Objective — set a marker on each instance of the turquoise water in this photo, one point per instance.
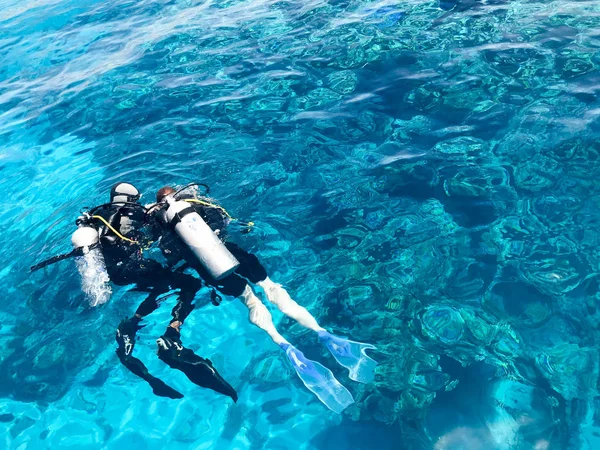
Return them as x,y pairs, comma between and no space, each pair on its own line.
423,176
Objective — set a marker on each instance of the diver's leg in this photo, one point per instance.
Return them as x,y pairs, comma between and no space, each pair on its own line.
277,295
250,267
235,286
125,338
350,354
260,316
152,277
156,285
347,353
171,351
316,377
128,328
159,280
189,287
126,335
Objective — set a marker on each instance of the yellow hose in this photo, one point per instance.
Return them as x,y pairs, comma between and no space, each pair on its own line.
212,205
113,230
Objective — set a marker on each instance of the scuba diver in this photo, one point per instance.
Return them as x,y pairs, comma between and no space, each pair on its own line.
111,239
194,230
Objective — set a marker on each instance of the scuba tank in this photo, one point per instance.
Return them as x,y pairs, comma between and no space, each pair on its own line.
91,265
200,239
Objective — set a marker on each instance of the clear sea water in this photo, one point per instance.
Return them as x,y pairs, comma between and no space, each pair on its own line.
423,176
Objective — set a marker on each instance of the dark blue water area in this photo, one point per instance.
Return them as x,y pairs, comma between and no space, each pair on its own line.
423,176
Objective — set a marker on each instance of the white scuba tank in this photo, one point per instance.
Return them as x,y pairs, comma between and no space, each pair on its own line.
91,266
200,239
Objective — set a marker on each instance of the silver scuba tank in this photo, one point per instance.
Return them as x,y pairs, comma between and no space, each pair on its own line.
200,239
91,266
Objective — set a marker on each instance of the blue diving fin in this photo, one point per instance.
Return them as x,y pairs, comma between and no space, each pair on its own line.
319,380
352,355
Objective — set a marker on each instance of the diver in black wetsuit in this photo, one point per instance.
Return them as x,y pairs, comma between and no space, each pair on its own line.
120,226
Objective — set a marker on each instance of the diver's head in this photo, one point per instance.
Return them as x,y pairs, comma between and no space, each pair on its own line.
163,193
124,192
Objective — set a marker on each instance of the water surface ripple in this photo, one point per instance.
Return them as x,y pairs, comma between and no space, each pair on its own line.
423,176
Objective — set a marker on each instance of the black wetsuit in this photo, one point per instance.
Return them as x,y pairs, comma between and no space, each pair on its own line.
250,268
126,265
